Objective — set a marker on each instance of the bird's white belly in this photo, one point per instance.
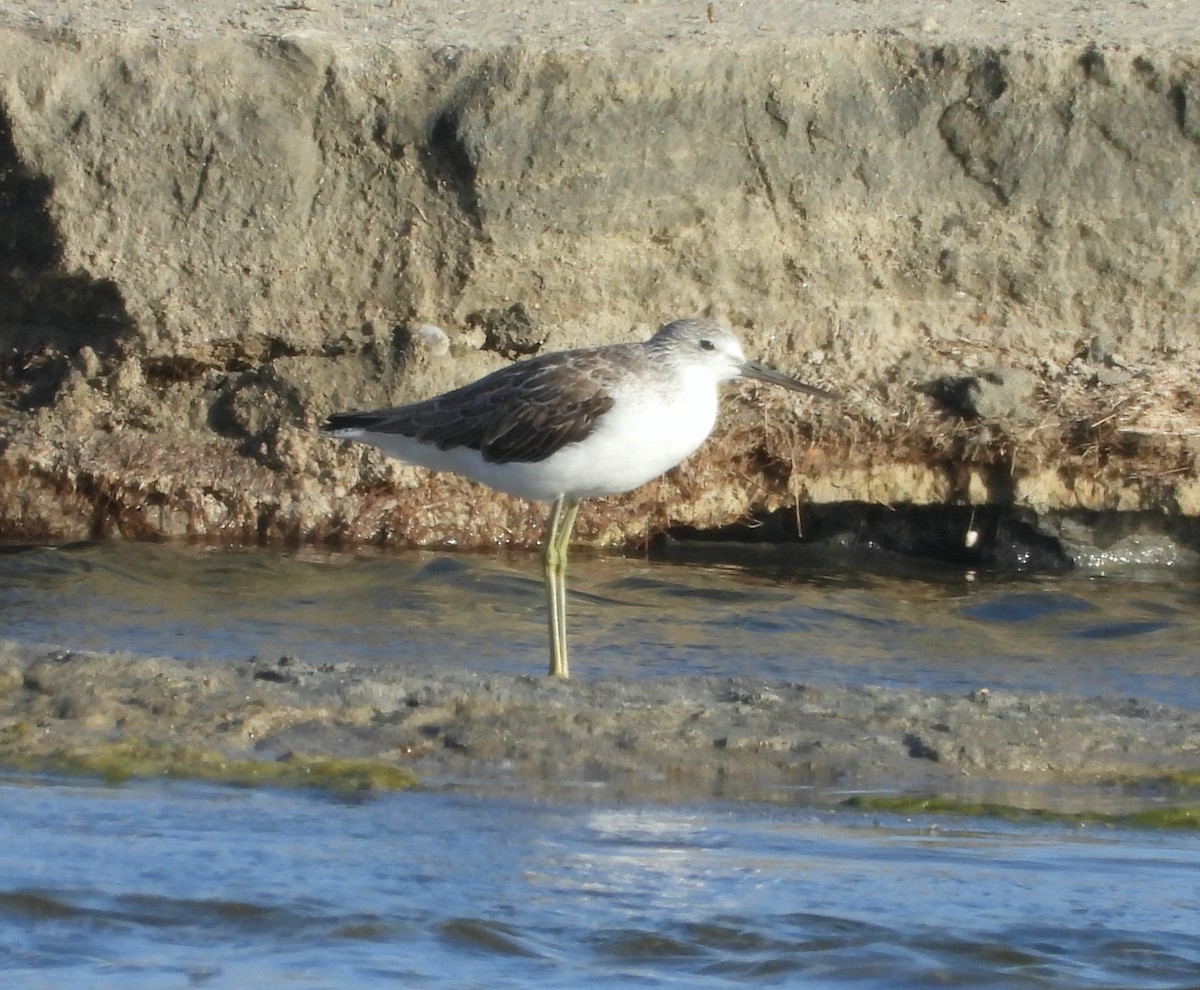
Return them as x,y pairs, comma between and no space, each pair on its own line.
636,440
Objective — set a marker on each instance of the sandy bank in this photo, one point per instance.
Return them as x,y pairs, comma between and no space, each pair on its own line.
976,220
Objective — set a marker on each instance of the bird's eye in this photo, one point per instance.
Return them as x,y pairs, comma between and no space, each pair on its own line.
707,345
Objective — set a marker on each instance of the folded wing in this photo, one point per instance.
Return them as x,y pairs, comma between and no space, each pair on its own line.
524,412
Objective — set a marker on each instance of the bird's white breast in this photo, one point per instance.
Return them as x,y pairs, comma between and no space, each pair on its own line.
646,432
643,435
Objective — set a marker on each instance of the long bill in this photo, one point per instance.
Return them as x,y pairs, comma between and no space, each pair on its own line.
760,372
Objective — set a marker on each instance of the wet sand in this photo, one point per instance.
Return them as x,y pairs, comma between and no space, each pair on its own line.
678,739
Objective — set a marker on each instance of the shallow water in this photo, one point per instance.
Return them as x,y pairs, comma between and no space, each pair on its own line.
627,618
158,884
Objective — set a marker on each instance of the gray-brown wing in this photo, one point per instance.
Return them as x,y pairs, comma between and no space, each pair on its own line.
524,412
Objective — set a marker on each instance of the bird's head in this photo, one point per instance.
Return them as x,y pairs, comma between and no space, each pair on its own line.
710,344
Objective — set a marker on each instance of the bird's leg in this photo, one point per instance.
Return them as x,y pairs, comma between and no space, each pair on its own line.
554,558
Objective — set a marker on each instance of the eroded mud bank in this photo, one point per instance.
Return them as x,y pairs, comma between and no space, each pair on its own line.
221,225
680,739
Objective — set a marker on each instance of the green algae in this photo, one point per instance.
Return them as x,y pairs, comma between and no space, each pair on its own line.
117,762
1181,778
1173,817
1167,817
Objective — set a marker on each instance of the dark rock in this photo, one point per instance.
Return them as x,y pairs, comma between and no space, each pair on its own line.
512,332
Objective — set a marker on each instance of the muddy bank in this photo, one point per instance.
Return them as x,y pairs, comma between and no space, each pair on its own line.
973,219
683,739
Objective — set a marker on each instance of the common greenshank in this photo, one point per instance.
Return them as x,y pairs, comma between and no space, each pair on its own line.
571,425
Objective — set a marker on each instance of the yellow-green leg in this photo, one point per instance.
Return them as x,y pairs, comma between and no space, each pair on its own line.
554,558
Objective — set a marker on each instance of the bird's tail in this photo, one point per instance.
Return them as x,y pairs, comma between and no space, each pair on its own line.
349,424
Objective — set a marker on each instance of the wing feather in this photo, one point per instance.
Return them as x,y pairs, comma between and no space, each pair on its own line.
524,412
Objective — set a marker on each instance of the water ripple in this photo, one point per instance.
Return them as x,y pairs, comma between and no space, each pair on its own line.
154,885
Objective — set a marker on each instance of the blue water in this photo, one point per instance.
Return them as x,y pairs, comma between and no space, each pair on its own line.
162,885
158,884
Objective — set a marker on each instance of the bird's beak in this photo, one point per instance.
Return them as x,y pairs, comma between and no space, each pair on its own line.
760,372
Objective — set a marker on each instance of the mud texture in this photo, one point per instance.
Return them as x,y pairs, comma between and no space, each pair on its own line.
978,221
682,739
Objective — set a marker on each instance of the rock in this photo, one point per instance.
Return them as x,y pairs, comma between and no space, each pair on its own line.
1100,348
513,332
1112,376
431,340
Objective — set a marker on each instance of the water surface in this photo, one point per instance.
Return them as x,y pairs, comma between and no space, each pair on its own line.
159,885
628,618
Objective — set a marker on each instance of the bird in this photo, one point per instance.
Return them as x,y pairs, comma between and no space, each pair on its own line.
570,425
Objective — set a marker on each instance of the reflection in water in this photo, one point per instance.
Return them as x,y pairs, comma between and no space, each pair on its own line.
630,618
